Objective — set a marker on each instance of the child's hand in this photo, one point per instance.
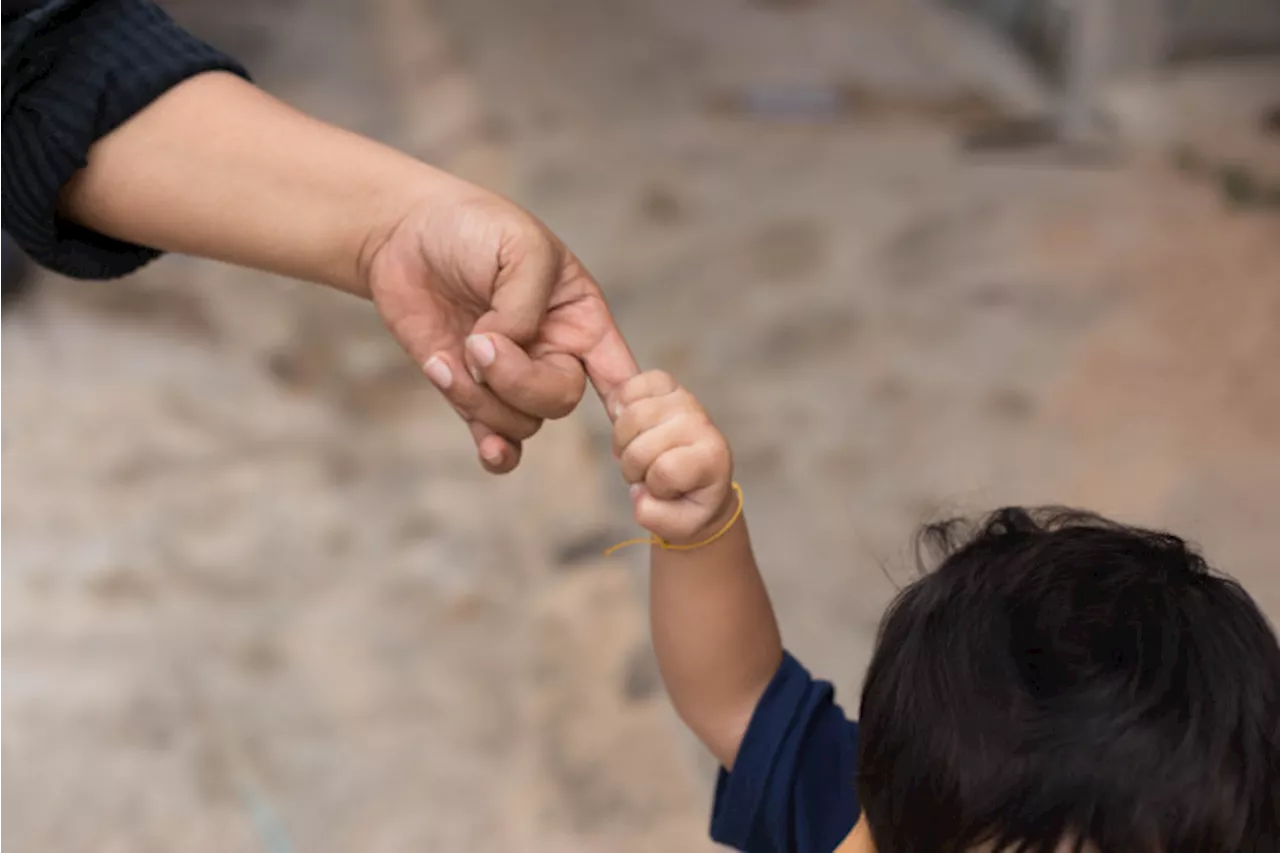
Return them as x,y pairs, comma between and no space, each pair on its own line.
678,463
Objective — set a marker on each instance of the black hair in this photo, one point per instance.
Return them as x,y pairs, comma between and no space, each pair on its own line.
1064,679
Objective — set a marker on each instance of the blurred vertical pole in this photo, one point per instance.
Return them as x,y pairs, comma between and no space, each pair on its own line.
1105,39
1088,61
1140,30
1092,44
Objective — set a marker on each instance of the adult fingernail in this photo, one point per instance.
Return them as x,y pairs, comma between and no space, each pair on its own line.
481,349
492,454
438,372
636,491
617,411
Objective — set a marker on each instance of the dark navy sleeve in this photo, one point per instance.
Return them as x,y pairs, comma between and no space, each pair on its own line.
792,785
74,70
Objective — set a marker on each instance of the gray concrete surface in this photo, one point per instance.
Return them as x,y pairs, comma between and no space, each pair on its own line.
257,596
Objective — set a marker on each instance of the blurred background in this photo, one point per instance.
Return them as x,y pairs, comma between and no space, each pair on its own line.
917,259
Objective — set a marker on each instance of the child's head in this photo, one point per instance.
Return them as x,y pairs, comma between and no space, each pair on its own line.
1062,680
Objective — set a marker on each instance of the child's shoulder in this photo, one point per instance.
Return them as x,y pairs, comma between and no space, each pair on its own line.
794,774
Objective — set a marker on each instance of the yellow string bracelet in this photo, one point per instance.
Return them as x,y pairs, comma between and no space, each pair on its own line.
668,546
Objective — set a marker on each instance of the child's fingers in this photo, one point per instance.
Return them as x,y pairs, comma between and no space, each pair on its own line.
667,518
638,455
652,383
641,416
677,472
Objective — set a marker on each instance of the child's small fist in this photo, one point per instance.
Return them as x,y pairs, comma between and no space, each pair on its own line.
677,462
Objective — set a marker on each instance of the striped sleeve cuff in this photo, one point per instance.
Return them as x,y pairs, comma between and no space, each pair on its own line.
70,85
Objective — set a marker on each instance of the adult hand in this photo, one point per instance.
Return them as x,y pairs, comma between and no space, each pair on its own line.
217,168
504,320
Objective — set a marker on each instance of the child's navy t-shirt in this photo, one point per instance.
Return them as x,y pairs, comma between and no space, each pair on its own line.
792,786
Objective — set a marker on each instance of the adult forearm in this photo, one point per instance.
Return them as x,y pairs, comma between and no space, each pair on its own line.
715,637
220,169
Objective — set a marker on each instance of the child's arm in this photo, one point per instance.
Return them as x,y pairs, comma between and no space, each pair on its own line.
714,631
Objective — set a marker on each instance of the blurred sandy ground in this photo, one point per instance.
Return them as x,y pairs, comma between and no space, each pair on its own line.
257,595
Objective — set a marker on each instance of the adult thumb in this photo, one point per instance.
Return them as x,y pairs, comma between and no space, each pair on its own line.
526,275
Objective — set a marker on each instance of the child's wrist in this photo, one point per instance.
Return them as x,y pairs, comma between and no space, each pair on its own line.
725,515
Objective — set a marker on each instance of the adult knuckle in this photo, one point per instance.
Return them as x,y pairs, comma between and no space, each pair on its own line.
466,399
520,427
567,394
513,392
567,399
